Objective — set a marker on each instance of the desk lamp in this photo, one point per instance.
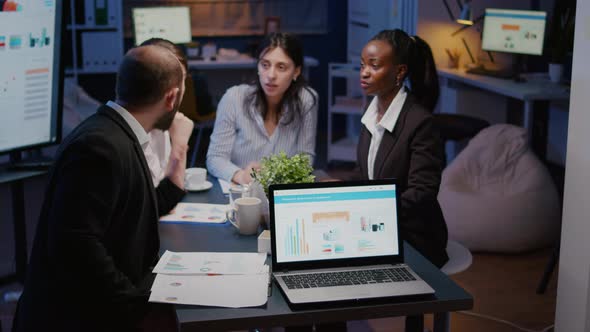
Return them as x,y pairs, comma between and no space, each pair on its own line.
466,16
466,19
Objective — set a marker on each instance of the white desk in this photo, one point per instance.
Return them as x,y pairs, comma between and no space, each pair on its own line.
222,74
535,95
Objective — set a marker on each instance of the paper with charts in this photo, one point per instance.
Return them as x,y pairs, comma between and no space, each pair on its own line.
196,213
231,291
225,185
185,263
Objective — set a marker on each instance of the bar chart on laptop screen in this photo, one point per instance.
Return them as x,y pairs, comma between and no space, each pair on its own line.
295,241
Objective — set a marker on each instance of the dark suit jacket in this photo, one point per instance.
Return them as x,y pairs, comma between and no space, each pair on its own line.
414,154
97,237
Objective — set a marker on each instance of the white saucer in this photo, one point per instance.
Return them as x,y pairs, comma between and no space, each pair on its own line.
203,186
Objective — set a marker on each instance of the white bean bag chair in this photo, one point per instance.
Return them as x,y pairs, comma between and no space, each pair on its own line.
496,196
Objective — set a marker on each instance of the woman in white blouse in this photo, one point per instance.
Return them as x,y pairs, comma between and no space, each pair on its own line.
277,113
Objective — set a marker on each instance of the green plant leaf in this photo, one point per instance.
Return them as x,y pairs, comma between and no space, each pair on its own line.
281,169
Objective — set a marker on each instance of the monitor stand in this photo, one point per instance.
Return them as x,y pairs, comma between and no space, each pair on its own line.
33,160
517,68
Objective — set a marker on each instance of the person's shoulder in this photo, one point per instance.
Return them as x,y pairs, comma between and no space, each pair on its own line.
97,132
308,95
416,110
414,115
241,90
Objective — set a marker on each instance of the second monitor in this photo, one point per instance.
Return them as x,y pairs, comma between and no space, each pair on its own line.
172,23
519,32
513,31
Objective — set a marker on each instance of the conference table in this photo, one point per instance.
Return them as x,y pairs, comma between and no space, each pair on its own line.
224,238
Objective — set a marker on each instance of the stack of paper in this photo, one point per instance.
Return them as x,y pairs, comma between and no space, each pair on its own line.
211,278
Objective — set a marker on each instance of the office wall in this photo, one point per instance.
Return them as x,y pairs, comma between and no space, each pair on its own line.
573,289
436,27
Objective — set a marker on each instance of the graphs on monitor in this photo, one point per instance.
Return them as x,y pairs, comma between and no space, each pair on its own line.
172,23
30,74
514,31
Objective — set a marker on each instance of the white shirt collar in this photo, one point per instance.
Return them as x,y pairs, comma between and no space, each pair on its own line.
389,119
140,133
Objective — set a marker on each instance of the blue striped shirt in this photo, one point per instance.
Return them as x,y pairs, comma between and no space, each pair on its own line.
238,138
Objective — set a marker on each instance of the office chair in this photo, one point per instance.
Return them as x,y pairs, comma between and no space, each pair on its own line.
458,127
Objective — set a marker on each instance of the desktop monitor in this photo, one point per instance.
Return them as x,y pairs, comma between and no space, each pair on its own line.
31,76
513,31
172,23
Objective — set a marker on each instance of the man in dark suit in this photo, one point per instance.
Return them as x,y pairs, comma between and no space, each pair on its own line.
97,238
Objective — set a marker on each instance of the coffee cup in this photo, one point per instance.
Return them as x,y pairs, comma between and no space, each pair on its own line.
195,177
245,215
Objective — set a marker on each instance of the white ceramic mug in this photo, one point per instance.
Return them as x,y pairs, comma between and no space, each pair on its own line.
195,177
245,216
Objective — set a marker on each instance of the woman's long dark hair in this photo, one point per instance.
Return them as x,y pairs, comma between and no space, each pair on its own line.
291,99
416,54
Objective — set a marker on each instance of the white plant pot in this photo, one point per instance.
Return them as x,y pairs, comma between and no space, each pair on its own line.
555,72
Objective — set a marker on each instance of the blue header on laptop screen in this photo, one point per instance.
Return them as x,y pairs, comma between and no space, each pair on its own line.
325,197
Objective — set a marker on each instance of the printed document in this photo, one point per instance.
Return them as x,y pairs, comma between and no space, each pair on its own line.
225,185
222,279
196,213
232,291
183,263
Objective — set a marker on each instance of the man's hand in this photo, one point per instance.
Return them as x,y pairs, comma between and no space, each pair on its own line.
243,176
181,129
180,132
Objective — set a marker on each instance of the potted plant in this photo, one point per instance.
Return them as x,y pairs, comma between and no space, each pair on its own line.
277,169
561,37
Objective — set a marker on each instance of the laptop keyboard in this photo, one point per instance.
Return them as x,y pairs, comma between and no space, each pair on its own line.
348,278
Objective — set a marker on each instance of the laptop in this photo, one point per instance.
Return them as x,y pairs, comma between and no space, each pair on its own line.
339,241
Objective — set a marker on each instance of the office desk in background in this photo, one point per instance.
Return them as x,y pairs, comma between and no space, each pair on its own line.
532,97
222,74
16,180
183,237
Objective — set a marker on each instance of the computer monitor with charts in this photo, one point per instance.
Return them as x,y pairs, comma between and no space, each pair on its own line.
172,23
31,75
513,31
519,32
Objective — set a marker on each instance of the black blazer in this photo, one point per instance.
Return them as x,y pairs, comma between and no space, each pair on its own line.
414,154
97,237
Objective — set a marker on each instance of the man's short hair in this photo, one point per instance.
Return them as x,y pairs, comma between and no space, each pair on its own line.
146,74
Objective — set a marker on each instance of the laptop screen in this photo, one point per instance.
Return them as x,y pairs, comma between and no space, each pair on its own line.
340,221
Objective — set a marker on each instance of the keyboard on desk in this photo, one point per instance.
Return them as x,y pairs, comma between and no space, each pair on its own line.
348,278
490,72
